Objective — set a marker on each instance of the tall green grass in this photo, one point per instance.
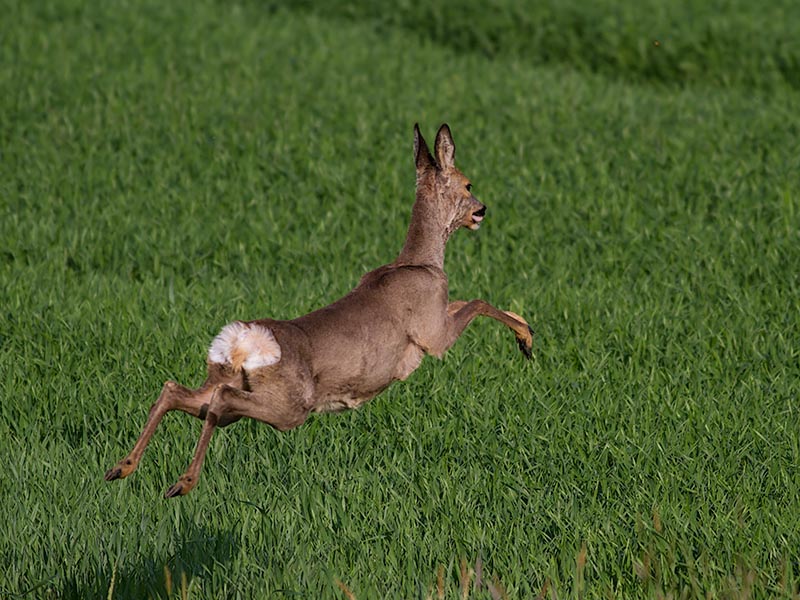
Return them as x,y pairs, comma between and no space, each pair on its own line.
713,42
168,167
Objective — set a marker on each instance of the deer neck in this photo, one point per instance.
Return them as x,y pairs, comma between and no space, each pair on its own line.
427,236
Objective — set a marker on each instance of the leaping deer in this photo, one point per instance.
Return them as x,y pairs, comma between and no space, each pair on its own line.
344,354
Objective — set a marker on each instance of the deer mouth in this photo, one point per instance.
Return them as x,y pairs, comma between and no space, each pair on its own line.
477,217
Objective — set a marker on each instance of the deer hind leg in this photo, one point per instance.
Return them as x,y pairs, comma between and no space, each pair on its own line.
460,313
173,397
275,407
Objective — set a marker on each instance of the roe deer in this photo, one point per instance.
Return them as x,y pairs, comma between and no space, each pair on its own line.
340,356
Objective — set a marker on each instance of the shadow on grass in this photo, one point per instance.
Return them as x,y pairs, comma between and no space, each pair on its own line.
198,551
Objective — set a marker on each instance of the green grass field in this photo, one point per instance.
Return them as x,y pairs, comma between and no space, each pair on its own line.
168,167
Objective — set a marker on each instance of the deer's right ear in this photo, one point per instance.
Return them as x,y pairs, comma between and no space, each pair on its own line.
422,156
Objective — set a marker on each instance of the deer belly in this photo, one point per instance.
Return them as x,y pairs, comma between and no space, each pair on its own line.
343,399
354,392
410,360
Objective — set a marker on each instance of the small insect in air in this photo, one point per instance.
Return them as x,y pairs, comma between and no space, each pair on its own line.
656,43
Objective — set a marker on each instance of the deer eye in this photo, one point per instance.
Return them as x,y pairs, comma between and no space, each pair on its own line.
469,187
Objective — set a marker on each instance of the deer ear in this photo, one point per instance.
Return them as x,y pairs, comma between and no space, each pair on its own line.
444,147
422,156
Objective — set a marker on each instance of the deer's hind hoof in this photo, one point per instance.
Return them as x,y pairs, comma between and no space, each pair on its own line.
112,474
174,490
526,346
183,487
120,470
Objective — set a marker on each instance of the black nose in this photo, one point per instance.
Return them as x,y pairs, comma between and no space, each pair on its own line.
480,212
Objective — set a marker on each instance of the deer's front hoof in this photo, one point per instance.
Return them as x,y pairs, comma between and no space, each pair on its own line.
524,339
526,347
183,487
121,470
526,344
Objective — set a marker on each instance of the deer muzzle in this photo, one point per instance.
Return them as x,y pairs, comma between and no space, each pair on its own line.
477,216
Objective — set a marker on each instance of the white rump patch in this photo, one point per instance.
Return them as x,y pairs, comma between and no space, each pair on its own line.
245,346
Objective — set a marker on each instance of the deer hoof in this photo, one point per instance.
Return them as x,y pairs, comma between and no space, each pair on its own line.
175,490
526,346
120,470
112,474
184,486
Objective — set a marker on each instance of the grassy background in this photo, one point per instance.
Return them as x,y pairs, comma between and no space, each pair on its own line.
168,167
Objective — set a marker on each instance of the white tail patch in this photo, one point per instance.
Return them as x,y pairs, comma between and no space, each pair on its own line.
245,346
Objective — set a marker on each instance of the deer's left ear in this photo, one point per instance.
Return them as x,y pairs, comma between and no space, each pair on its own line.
444,147
422,156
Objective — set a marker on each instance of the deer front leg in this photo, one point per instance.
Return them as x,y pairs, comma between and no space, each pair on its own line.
172,397
460,313
455,306
525,342
230,403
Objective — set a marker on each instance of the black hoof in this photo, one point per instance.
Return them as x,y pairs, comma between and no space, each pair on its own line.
113,474
173,491
526,350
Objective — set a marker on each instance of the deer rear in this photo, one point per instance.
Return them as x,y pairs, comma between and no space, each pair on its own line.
346,353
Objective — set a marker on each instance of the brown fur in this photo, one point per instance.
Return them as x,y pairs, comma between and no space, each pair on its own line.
344,354
238,358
